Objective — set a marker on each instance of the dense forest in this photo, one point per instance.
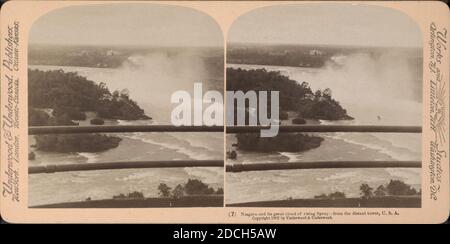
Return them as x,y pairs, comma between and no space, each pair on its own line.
76,143
284,142
69,94
293,96
57,98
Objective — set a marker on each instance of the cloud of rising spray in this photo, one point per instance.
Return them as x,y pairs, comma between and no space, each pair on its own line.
152,78
370,85
387,75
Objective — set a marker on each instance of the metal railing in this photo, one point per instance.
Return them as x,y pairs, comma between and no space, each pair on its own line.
322,165
53,168
75,129
330,128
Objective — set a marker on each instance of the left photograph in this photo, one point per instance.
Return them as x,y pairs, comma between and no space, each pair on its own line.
101,85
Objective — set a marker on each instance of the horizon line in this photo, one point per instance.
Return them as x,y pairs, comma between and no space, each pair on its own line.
121,45
317,44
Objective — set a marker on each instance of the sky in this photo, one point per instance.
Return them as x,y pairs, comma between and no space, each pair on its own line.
127,24
326,24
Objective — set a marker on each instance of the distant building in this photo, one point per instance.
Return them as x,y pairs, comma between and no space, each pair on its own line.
315,52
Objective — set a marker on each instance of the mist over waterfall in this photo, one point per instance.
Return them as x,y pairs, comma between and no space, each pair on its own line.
152,78
380,88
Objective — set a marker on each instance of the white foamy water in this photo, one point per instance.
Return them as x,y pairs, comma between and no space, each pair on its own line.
150,79
378,90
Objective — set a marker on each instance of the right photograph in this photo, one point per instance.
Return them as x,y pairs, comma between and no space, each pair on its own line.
349,83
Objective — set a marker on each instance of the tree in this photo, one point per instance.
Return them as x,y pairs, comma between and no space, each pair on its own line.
103,86
366,190
136,194
398,188
318,94
164,190
219,191
380,191
327,93
125,93
194,186
305,85
178,191
115,95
